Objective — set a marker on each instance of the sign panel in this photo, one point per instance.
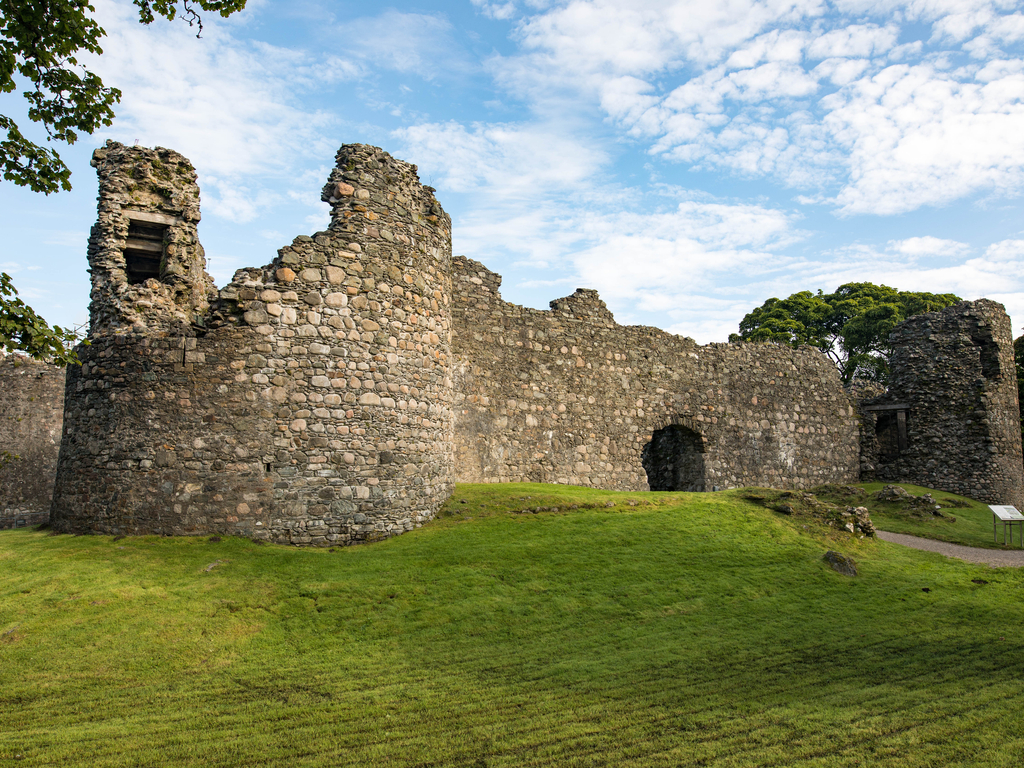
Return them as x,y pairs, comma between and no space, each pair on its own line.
1004,512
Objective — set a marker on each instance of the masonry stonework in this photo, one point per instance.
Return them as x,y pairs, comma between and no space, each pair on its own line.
31,395
337,393
570,396
309,401
953,378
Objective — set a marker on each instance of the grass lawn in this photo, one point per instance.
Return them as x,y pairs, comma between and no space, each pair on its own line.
666,630
972,526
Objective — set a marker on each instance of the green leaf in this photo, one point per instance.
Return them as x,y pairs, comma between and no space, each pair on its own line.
22,330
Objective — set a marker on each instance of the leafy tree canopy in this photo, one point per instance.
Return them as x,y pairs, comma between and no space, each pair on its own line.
40,41
851,325
21,329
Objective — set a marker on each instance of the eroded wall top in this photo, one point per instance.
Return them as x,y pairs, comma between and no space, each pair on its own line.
570,396
309,404
148,268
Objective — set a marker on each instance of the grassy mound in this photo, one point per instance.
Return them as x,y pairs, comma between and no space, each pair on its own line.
679,629
958,520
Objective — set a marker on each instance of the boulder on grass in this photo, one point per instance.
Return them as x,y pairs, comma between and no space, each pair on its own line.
841,563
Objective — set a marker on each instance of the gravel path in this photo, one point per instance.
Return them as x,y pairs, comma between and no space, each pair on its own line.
997,558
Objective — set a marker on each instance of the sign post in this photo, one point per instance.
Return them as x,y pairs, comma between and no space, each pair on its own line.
1008,516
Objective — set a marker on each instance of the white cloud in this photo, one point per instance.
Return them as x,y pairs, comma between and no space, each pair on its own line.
917,137
841,71
779,89
417,43
643,37
928,246
515,160
231,107
854,41
496,10
1000,271
1006,252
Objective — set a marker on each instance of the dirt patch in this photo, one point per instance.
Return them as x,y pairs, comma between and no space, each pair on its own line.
993,557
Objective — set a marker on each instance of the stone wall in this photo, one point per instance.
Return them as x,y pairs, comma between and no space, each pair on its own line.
954,371
569,396
31,394
336,394
147,214
309,401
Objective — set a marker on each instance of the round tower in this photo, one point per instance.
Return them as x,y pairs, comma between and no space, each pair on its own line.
308,402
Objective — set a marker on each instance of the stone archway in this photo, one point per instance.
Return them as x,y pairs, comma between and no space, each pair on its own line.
674,459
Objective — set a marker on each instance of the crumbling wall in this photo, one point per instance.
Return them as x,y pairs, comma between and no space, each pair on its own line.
31,396
569,396
952,376
147,213
335,394
307,402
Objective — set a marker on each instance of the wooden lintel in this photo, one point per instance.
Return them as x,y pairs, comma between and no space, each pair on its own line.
152,218
144,245
896,407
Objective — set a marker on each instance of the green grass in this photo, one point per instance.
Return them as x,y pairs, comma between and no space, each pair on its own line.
688,629
970,525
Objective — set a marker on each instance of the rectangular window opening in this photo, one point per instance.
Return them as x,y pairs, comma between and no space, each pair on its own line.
144,250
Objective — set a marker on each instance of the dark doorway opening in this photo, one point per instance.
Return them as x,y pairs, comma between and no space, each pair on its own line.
891,433
674,460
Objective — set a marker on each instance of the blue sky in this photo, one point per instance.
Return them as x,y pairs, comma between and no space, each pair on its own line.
687,159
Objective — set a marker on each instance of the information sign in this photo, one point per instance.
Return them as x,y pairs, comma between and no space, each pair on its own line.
1008,516
1004,512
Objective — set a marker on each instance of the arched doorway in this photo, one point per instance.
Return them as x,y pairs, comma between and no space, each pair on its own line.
674,460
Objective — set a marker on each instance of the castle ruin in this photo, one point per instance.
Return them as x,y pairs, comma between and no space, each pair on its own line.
338,393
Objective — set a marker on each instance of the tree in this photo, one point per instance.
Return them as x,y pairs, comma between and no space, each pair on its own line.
21,329
40,41
851,326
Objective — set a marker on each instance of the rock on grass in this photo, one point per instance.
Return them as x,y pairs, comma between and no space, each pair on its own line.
841,563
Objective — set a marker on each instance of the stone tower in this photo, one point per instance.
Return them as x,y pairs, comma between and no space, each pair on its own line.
950,418
309,401
147,266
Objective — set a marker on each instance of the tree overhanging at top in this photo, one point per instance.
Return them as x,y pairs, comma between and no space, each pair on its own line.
851,326
40,41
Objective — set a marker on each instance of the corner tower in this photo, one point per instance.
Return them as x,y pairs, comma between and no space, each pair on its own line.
307,402
950,417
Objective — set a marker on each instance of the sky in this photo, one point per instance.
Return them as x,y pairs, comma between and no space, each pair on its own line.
687,158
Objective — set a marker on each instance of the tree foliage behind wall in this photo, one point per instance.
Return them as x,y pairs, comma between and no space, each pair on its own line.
851,325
